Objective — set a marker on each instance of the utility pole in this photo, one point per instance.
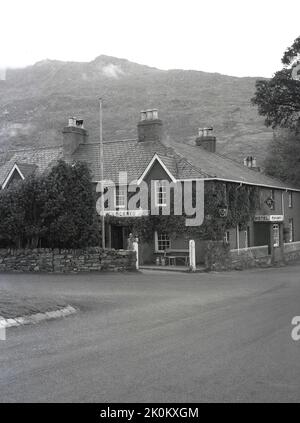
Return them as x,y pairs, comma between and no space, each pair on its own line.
101,175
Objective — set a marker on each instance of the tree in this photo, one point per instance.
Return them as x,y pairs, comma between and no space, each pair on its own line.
278,100
69,210
55,210
12,217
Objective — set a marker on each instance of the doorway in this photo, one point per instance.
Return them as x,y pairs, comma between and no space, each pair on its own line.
262,235
118,236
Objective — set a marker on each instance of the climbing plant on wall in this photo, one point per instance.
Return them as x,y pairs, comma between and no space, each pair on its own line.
239,201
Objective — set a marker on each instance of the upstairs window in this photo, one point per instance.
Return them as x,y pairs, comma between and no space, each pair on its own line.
272,196
121,192
290,199
161,193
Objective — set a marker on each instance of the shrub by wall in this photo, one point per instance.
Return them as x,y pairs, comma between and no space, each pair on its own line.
62,261
217,256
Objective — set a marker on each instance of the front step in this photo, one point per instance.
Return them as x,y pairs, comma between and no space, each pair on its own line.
178,269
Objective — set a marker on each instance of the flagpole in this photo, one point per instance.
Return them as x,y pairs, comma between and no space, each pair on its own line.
101,175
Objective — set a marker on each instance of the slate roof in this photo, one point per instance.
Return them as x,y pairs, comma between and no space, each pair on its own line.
133,156
184,161
28,160
221,167
27,169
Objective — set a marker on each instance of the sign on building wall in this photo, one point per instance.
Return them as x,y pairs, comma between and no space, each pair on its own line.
268,218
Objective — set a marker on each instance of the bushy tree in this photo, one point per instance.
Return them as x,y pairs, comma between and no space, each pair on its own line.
11,218
278,100
69,211
55,210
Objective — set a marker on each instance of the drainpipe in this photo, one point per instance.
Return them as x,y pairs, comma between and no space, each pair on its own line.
238,238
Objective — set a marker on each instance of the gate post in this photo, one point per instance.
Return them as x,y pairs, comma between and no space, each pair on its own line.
192,255
135,246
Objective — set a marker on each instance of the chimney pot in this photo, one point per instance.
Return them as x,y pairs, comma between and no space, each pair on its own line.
149,114
143,115
72,121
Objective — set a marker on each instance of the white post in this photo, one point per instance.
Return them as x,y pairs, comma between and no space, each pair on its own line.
135,246
238,238
192,255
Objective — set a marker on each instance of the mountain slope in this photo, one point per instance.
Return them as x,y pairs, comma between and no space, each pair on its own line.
36,101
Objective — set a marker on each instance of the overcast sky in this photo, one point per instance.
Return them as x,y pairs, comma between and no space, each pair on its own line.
234,37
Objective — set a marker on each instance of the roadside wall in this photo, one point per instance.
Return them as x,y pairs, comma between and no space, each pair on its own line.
291,251
250,257
65,261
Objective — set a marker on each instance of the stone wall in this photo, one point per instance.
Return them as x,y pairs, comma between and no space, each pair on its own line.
292,251
245,258
61,261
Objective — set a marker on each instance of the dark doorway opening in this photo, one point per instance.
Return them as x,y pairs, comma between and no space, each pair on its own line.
119,236
262,234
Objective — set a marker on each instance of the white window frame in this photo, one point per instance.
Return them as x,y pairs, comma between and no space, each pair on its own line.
227,237
272,195
157,240
120,194
276,240
291,230
290,199
160,184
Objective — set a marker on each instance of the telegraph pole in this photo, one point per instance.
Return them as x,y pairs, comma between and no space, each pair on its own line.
101,174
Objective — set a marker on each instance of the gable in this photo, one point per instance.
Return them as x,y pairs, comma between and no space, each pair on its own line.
14,175
157,169
157,172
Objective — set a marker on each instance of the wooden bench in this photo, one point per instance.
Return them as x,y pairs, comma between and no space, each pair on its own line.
172,254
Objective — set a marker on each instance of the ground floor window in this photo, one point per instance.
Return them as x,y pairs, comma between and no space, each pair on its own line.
162,242
291,230
276,235
227,237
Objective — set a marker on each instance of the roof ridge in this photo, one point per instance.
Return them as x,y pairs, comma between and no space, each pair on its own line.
31,149
108,141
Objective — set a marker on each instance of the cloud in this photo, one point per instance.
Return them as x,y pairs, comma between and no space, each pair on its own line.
112,71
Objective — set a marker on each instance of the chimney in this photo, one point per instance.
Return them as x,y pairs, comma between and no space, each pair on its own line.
149,126
250,162
73,135
206,140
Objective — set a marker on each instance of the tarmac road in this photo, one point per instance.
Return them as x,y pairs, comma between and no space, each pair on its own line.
157,337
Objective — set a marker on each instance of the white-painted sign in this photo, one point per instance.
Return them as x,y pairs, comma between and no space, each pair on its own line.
268,218
126,213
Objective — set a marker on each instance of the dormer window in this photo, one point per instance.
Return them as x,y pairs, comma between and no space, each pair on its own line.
161,193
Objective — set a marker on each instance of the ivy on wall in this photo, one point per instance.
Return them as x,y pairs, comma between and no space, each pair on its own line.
240,202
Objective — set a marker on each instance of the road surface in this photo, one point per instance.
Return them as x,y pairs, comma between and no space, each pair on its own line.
159,337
